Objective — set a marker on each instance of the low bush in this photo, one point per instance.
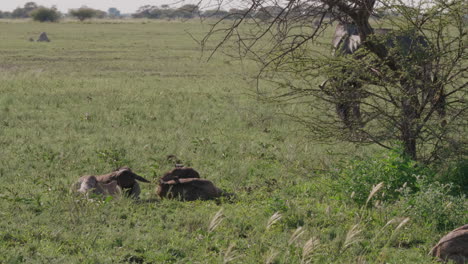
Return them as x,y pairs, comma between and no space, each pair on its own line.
393,168
457,174
434,205
44,14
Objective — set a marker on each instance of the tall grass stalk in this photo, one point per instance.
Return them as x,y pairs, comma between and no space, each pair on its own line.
352,237
297,233
374,190
230,254
216,220
308,250
273,220
272,254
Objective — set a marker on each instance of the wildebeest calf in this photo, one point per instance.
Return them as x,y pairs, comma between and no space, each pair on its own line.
126,179
89,184
123,177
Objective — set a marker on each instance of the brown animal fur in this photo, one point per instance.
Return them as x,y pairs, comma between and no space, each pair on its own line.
123,177
188,189
180,173
126,179
89,184
453,246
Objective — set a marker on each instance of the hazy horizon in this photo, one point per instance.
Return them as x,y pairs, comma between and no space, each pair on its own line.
125,6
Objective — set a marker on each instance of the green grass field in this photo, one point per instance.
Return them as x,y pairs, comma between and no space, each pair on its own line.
107,94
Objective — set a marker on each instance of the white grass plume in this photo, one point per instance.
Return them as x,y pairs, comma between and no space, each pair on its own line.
352,236
271,256
216,220
299,232
402,223
273,219
374,190
308,250
230,254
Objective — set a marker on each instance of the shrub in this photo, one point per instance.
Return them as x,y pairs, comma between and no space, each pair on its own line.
84,13
395,169
456,173
44,14
434,206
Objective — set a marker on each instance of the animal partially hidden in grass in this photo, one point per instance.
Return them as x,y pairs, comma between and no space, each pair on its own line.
453,246
180,172
90,184
184,183
123,177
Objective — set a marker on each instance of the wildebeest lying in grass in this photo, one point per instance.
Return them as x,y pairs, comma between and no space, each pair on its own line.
89,184
453,246
124,177
184,183
188,189
180,173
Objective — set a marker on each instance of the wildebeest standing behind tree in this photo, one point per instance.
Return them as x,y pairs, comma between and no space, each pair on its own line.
348,93
388,95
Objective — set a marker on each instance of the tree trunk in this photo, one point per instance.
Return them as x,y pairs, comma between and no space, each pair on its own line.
409,141
410,116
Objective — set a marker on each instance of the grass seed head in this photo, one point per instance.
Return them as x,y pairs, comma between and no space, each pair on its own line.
352,236
308,250
299,232
273,219
216,220
230,254
374,190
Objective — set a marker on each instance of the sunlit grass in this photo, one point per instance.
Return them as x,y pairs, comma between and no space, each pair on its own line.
103,94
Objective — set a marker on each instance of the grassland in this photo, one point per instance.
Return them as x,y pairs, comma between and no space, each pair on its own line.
103,95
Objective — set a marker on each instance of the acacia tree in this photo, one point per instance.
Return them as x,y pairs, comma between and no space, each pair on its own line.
43,14
25,11
412,94
83,13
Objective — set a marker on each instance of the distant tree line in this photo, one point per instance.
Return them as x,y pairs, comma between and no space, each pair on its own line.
192,11
40,13
44,14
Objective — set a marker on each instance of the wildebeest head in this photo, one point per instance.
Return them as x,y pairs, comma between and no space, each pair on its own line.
125,177
346,40
88,183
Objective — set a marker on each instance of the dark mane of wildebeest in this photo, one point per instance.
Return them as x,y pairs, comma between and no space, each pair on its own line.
180,173
346,41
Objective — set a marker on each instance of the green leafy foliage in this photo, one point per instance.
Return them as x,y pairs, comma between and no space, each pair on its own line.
434,204
85,13
44,14
393,168
455,173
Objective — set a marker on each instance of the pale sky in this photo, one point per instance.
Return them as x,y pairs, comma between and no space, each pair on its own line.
125,6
